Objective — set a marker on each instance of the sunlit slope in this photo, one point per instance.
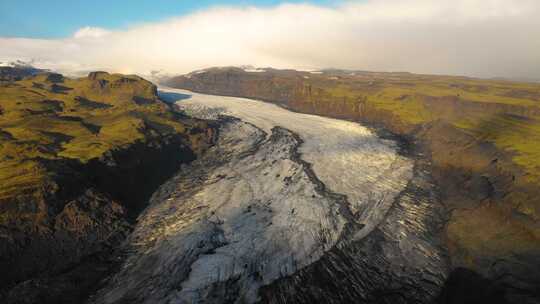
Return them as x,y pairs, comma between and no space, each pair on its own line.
48,116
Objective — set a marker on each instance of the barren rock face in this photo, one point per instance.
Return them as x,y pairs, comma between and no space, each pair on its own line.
278,193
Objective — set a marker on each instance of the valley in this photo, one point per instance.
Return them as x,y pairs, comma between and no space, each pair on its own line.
116,191
479,137
268,203
270,152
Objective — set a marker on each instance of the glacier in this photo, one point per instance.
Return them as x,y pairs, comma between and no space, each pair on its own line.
279,193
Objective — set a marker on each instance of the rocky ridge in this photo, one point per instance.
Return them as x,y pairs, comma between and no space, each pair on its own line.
79,160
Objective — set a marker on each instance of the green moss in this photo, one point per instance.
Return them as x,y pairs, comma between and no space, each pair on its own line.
74,118
489,230
18,176
402,103
414,100
512,133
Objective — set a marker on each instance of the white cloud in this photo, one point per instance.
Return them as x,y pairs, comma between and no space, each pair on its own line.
473,37
90,32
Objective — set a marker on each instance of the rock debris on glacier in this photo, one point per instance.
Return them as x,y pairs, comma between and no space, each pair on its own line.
347,157
277,192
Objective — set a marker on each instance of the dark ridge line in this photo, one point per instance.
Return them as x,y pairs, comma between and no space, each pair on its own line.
433,227
320,187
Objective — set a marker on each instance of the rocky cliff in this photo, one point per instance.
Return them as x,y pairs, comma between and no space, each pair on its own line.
482,138
79,158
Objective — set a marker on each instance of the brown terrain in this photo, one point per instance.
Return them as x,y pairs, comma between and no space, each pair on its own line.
482,138
79,158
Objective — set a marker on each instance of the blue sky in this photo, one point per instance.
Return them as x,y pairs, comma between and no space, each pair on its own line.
483,38
61,18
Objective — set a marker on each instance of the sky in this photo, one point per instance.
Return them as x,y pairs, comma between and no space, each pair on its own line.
482,38
61,18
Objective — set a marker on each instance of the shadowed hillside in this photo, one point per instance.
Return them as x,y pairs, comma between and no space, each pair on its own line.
78,160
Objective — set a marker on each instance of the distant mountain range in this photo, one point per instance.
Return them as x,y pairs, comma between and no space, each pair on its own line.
17,70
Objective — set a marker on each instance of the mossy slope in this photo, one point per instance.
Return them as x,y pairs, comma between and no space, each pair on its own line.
51,117
78,158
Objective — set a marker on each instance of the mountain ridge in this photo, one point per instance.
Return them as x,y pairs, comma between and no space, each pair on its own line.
78,160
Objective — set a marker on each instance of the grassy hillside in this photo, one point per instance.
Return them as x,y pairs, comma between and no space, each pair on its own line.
78,159
51,117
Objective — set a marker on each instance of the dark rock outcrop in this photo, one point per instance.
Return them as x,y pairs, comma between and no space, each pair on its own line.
18,72
86,211
62,217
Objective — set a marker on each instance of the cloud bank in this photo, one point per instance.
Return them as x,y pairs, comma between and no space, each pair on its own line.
485,38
